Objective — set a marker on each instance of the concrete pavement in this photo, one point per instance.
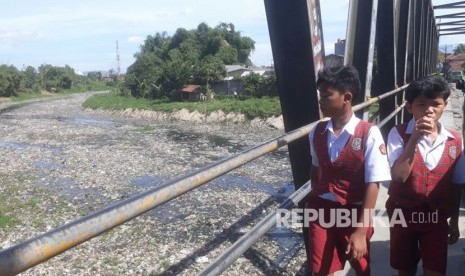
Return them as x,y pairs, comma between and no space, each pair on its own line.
452,119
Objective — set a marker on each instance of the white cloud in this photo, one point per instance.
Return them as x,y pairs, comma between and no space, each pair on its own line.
16,35
262,56
135,39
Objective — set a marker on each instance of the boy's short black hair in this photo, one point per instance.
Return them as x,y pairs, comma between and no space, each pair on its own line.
341,78
429,87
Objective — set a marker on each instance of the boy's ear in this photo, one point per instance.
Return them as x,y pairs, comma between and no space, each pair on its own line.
408,106
348,96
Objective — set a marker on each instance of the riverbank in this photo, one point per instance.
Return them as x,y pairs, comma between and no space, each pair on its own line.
196,117
227,110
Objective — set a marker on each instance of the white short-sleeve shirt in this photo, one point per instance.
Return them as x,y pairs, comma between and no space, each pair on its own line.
376,164
431,153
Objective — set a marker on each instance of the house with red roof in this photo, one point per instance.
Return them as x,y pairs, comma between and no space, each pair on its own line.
455,61
191,93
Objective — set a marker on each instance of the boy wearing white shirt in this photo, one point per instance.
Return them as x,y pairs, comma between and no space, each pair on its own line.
348,163
423,155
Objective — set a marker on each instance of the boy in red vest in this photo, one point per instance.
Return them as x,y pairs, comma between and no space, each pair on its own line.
348,162
423,155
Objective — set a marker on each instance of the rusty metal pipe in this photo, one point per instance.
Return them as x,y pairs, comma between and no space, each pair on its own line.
393,113
228,257
378,98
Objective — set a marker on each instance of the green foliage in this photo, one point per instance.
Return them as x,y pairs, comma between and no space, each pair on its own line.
459,49
7,211
55,79
198,56
143,76
24,96
251,84
95,76
228,55
29,82
6,221
210,69
10,81
258,86
30,78
251,107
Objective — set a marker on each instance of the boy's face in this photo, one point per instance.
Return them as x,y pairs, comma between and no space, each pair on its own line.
332,101
424,107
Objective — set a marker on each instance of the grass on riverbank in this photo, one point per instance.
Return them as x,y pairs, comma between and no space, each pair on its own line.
31,94
251,108
24,96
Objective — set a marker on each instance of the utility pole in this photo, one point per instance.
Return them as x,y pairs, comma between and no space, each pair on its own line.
117,59
445,53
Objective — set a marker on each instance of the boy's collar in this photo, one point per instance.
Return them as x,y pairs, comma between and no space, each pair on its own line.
349,126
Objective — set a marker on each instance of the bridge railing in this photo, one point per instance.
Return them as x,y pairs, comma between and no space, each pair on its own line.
29,253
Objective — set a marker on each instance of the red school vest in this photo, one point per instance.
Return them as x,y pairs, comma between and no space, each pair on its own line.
345,177
424,186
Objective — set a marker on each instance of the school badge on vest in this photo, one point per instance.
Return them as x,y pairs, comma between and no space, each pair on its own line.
382,149
357,143
453,152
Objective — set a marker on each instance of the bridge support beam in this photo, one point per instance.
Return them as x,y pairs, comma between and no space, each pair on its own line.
297,53
401,37
385,78
298,50
360,44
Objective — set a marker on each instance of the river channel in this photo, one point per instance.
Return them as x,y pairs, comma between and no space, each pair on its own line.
60,162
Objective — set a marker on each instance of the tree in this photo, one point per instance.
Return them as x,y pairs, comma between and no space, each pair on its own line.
251,84
269,86
97,75
228,55
165,63
243,45
30,77
176,71
259,86
10,80
208,70
142,78
459,49
54,79
156,44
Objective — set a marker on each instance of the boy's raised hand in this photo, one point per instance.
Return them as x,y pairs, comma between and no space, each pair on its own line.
424,126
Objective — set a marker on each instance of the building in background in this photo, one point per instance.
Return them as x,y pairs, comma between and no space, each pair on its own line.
336,59
456,61
232,83
340,47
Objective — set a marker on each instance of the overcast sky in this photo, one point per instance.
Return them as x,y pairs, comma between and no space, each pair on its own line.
83,34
